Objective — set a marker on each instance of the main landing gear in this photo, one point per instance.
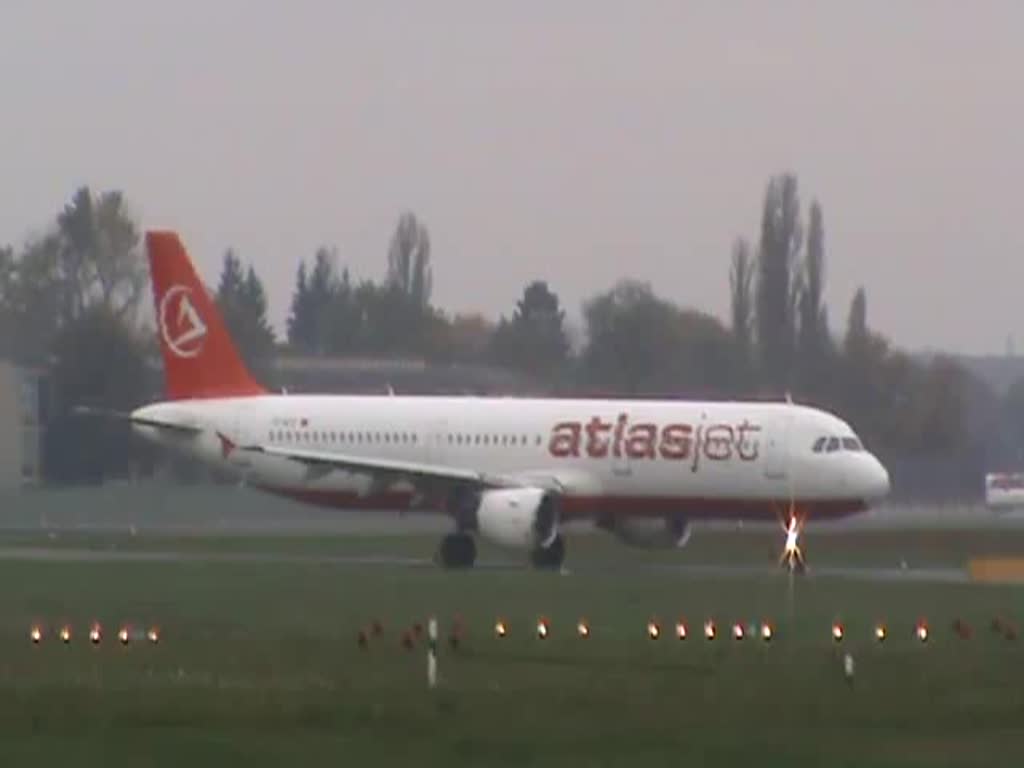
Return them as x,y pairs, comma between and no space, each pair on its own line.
792,557
550,557
457,550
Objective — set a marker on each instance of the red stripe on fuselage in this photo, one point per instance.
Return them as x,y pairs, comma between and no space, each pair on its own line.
581,507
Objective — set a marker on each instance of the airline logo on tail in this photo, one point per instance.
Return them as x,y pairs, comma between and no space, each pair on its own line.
183,329
200,359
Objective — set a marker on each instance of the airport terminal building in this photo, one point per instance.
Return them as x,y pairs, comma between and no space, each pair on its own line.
21,426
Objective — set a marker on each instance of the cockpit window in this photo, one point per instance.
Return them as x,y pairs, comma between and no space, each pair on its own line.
851,444
833,444
819,444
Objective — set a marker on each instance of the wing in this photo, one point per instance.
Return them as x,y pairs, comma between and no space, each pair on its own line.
321,462
392,469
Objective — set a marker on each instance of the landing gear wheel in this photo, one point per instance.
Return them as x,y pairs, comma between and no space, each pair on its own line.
457,550
551,557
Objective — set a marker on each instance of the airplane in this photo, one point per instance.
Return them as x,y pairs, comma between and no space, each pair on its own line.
1004,491
510,470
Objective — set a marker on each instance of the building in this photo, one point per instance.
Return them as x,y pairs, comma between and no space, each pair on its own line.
21,426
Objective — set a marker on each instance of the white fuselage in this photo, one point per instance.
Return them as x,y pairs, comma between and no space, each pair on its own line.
702,459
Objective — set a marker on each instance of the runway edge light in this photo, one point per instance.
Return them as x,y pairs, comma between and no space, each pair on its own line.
681,631
709,630
921,630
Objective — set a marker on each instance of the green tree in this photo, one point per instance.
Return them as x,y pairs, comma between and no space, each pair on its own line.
301,334
858,337
409,270
639,344
98,257
777,284
814,339
311,317
465,338
243,304
741,285
8,302
534,340
99,361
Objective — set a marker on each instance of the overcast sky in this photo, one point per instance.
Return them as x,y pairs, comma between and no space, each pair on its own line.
577,141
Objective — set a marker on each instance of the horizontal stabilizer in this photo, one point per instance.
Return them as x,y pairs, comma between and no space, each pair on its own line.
107,413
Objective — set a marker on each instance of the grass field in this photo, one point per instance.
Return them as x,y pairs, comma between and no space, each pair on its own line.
259,665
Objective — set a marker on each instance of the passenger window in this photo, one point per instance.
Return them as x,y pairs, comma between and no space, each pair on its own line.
833,444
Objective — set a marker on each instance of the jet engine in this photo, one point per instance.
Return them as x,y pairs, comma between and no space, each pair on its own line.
649,532
518,518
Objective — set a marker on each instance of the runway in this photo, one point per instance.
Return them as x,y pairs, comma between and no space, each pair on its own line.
682,570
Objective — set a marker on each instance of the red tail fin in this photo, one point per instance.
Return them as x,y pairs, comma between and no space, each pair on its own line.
200,359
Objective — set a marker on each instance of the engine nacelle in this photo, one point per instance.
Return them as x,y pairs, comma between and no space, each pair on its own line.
649,532
518,518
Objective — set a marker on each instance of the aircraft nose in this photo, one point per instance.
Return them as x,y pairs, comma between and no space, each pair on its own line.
876,481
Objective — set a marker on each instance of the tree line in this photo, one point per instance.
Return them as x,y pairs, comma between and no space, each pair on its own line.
71,304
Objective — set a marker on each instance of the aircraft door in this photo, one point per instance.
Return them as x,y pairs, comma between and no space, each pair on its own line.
621,466
776,446
434,442
242,434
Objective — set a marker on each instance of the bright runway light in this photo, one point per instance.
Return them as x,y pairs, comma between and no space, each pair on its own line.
65,634
582,628
921,631
681,630
709,630
500,628
543,629
153,635
95,634
880,633
767,632
653,630
36,634
837,632
737,631
124,635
